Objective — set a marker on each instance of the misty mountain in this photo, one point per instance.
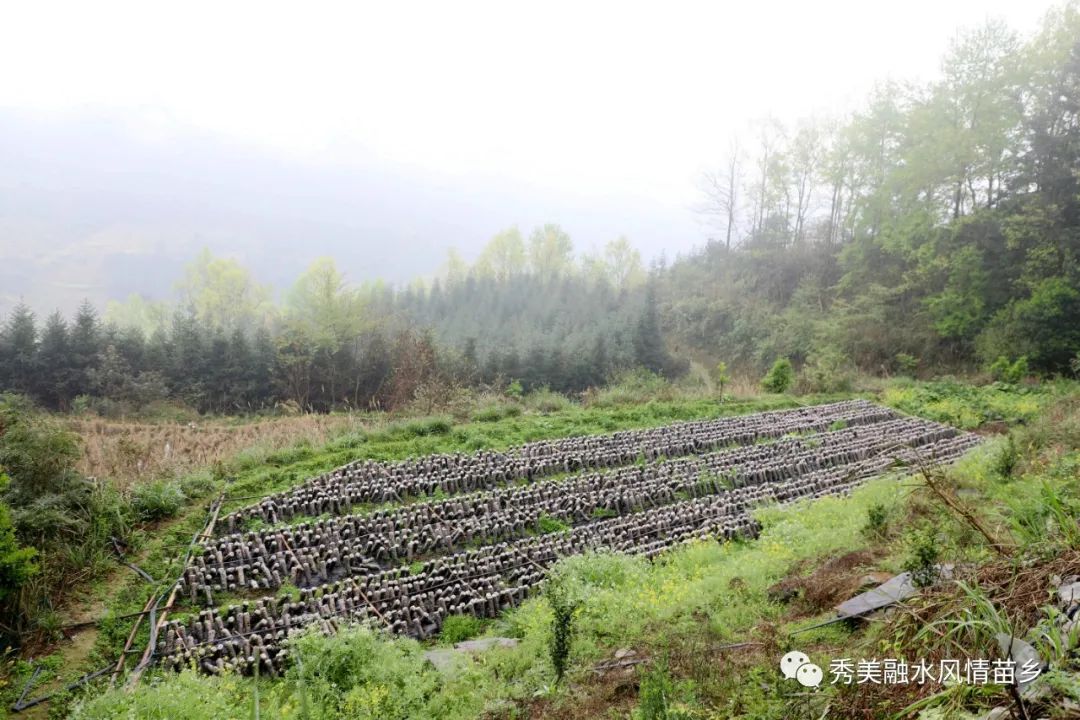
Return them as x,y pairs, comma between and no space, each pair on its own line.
96,206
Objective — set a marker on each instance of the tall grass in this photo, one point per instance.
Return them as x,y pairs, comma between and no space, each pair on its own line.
129,452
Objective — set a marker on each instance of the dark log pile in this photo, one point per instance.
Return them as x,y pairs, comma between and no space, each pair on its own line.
407,568
373,482
315,553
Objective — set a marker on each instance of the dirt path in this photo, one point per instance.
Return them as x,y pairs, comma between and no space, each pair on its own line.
74,651
78,645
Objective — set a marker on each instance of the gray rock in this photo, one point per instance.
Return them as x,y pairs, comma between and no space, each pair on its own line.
888,593
892,591
444,659
1069,595
485,644
1021,653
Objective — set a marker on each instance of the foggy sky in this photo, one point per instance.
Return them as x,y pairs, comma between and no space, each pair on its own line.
133,134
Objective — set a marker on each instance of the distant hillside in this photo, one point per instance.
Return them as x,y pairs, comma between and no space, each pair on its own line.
94,207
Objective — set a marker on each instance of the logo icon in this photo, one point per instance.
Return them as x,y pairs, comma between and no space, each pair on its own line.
809,675
797,666
789,664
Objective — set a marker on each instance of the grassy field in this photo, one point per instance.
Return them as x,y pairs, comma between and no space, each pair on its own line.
680,614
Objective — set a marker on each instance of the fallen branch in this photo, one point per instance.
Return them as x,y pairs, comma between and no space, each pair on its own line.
932,478
20,706
158,621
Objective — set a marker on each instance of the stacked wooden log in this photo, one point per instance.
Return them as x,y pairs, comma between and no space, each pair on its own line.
407,567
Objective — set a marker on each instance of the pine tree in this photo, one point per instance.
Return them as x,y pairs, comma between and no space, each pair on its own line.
598,363
649,350
186,362
262,368
19,339
54,379
238,371
85,343
218,396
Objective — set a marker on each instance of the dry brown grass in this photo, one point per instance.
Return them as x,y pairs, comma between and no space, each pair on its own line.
831,582
129,452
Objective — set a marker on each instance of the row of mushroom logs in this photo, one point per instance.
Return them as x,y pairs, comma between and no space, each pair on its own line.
315,553
372,482
483,582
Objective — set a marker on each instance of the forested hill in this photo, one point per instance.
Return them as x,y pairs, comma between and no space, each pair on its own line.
526,313
935,230
939,226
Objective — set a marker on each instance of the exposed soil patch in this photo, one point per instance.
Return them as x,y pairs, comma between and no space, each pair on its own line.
828,584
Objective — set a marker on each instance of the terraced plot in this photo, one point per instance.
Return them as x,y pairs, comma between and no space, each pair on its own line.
406,545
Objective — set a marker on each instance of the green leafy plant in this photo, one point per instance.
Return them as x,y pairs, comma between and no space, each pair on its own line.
564,601
906,364
17,564
827,371
1009,372
658,695
922,558
780,377
877,521
456,628
515,389
1007,458
721,377
157,500
550,524
655,693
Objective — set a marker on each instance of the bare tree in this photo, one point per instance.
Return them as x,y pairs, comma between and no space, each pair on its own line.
721,191
767,137
805,158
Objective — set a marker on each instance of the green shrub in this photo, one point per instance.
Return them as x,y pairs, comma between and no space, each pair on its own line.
456,628
188,695
491,413
197,485
36,452
655,693
969,406
720,378
1041,327
562,634
494,412
564,598
546,401
359,674
633,387
1004,371
600,570
1007,458
877,521
827,371
427,426
1062,511
16,563
549,524
67,518
658,696
779,378
157,500
906,364
922,558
